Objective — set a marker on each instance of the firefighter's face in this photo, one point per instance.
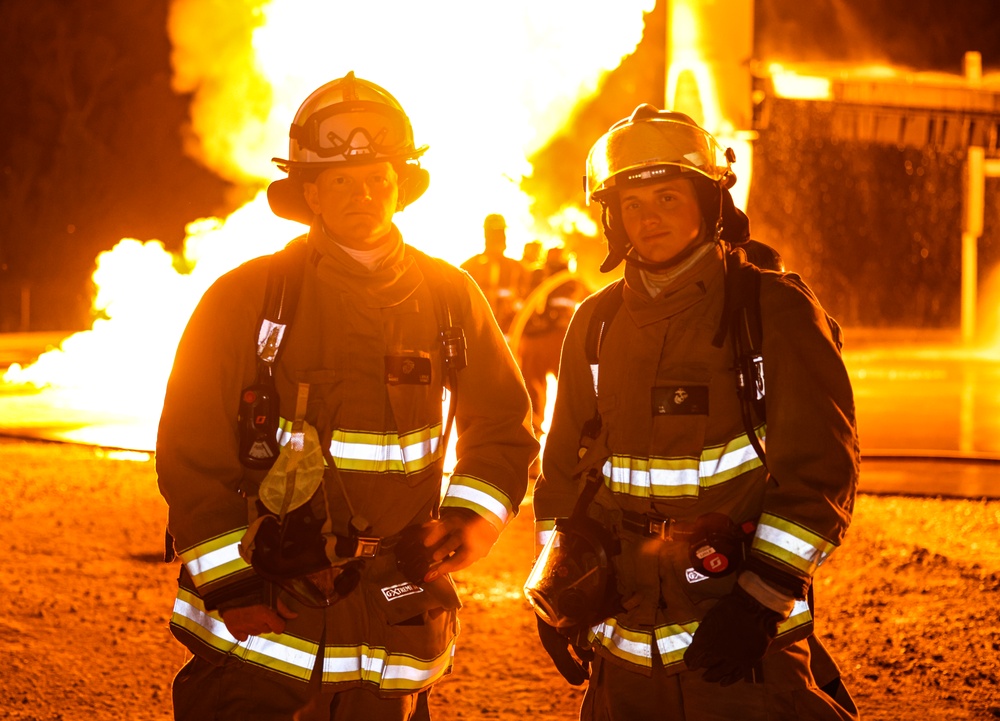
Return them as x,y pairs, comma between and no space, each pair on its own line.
356,203
661,220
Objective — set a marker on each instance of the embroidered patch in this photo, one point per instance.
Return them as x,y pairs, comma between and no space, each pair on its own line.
407,370
400,590
688,400
693,576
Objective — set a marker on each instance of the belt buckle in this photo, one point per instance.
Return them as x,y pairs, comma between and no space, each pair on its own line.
662,528
366,547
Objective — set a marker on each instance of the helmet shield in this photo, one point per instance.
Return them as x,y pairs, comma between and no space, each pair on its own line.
641,150
569,583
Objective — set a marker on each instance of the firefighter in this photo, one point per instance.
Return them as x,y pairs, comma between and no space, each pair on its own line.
315,577
542,337
682,562
499,277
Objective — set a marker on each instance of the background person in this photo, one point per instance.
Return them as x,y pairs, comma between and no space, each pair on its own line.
499,277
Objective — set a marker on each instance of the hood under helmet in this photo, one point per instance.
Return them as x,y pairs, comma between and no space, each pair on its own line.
648,147
346,122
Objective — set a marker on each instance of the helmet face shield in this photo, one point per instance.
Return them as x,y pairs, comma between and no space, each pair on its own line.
569,583
638,151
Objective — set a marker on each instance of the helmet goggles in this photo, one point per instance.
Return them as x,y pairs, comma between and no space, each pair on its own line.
355,132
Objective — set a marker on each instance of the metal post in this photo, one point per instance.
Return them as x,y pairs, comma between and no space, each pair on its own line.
974,192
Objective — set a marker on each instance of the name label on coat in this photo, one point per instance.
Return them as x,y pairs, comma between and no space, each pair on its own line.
686,400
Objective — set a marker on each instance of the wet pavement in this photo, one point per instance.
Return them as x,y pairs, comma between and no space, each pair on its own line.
928,414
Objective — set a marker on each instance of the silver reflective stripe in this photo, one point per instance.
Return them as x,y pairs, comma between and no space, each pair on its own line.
253,644
630,648
674,643
649,479
213,559
727,462
796,546
479,498
594,371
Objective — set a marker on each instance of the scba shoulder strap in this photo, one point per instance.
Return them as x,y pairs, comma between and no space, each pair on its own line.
741,319
259,403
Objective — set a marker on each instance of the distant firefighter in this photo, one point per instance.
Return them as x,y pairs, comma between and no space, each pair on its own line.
498,276
542,337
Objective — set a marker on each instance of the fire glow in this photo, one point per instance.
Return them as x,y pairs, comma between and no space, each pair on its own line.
485,88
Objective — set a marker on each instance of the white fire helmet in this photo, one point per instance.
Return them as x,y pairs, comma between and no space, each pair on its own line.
651,145
346,122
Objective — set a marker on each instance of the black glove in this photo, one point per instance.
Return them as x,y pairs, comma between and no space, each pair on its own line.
732,638
575,669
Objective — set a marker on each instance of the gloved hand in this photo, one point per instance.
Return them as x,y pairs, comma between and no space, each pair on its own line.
575,669
732,638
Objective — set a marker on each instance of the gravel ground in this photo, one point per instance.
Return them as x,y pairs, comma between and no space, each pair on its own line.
909,605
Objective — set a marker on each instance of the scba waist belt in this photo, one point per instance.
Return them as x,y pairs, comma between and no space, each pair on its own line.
657,526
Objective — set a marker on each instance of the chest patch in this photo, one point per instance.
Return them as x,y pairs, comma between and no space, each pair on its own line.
686,400
400,590
407,370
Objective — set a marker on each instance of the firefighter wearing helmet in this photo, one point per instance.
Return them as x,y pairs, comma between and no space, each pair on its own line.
685,507
499,277
302,442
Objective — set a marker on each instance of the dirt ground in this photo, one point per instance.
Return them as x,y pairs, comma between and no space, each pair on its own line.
909,605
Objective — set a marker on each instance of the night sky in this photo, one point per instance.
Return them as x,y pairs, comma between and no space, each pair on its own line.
92,148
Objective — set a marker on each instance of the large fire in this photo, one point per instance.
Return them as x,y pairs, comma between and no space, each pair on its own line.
485,88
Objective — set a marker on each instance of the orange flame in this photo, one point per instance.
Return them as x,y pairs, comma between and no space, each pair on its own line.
483,98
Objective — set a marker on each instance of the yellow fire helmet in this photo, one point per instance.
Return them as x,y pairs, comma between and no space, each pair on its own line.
296,474
346,122
494,221
650,145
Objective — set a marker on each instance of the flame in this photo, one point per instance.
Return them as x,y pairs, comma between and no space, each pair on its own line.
484,97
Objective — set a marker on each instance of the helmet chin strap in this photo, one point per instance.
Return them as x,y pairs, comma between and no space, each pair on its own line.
633,258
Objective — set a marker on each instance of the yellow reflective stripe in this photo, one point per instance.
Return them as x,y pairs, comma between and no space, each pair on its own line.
790,543
477,495
390,672
673,640
216,558
632,646
380,452
681,477
799,616
724,463
656,477
282,653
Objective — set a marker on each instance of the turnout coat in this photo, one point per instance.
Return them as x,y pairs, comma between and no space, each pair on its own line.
352,327
673,445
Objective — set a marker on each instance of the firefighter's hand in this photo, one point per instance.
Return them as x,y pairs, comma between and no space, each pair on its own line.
732,638
460,538
574,668
247,621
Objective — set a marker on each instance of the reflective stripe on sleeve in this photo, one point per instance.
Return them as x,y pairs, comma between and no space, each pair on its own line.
799,616
543,531
477,495
791,544
215,558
